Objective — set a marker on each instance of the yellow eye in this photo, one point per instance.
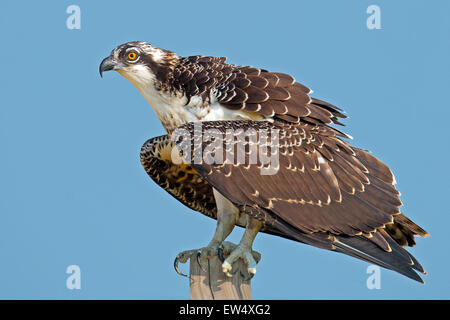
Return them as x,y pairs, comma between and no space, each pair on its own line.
132,56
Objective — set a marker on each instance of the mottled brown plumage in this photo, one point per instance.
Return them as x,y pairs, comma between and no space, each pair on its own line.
325,192
352,195
181,181
271,94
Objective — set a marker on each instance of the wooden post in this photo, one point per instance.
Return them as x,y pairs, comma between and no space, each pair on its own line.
214,284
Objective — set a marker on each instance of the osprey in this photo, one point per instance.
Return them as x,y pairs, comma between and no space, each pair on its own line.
323,191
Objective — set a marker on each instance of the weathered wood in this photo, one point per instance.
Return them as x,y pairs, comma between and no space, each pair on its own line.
214,284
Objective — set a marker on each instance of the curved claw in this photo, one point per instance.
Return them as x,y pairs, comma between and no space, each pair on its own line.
226,268
231,274
220,254
198,261
175,265
250,277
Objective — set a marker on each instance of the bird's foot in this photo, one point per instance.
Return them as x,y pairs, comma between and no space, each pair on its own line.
249,256
207,252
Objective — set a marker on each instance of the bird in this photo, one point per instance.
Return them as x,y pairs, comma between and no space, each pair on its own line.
315,188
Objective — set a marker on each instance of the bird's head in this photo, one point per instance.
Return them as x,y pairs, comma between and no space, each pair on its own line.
140,63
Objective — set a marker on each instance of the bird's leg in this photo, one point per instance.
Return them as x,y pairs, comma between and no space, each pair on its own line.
244,249
225,224
227,216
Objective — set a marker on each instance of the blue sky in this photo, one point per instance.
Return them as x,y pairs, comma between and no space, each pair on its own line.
72,191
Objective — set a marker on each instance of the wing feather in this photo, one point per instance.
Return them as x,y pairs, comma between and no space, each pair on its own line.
239,87
342,192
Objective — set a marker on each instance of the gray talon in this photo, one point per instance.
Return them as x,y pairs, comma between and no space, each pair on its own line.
250,277
175,265
245,253
220,254
198,261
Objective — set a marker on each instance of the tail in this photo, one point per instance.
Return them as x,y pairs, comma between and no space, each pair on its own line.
397,259
384,247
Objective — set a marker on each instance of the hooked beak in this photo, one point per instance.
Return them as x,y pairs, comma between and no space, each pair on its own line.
109,63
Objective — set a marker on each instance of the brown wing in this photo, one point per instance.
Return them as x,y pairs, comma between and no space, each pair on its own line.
276,95
272,94
323,188
181,181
